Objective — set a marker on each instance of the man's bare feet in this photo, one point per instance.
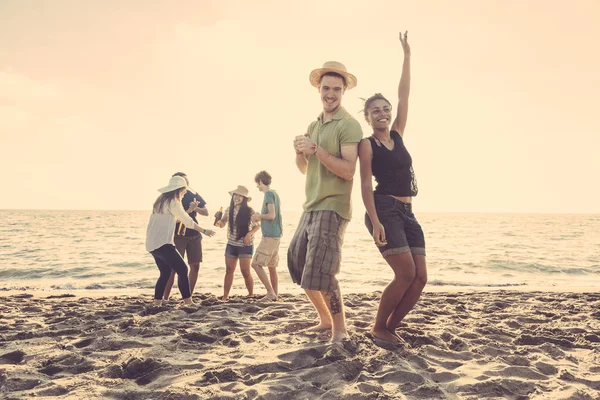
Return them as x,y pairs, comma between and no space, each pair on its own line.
319,328
386,335
223,298
339,336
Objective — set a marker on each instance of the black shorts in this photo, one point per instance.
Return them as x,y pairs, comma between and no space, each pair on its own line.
402,230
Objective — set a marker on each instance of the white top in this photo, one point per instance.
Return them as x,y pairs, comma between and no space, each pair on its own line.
161,227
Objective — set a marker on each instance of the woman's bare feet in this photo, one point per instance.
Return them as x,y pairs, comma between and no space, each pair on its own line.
384,334
271,296
157,303
187,301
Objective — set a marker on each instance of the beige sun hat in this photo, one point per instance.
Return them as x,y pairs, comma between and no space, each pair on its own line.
332,66
241,190
176,182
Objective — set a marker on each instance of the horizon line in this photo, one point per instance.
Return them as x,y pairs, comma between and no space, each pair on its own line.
300,210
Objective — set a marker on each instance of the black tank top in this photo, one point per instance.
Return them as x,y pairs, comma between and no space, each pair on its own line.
393,169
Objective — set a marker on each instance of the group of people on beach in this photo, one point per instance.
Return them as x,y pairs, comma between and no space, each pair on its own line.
186,239
327,154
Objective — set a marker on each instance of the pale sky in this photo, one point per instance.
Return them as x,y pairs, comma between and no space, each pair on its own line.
100,102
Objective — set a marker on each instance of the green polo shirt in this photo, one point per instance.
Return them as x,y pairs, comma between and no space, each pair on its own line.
324,189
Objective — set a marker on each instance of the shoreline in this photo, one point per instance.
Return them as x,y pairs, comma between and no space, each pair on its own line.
95,293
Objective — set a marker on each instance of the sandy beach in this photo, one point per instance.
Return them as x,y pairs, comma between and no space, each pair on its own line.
500,344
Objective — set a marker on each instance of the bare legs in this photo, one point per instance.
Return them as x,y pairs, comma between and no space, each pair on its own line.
270,286
230,265
330,307
193,277
248,280
401,295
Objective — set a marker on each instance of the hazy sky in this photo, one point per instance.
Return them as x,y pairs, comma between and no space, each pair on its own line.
100,102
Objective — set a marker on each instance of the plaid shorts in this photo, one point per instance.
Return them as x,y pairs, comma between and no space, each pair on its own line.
315,252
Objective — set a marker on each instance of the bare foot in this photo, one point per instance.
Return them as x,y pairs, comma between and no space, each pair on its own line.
319,328
157,303
271,296
223,298
339,336
386,335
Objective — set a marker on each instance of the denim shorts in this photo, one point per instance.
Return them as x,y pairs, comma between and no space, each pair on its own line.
402,230
239,251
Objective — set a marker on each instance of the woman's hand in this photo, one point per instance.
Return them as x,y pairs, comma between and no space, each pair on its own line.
405,45
379,234
209,232
247,239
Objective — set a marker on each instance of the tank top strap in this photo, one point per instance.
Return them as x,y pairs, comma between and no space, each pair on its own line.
374,145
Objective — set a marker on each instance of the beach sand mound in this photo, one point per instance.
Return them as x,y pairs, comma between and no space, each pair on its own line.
514,345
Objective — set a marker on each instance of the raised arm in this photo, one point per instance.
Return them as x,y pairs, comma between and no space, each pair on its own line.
403,89
365,155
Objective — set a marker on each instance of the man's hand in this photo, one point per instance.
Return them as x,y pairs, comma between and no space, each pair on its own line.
193,206
304,144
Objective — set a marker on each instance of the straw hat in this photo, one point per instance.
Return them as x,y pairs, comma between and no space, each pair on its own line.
176,182
332,66
241,190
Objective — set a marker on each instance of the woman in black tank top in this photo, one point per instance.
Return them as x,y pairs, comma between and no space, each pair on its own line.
389,216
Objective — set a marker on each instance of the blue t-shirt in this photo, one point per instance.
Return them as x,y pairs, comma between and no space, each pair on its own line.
188,197
272,228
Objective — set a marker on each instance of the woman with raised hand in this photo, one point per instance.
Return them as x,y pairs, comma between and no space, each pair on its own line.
389,217
159,238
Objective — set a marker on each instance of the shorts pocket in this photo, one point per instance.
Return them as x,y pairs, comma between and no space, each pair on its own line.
261,259
330,257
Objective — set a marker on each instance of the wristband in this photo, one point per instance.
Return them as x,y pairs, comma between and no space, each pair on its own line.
203,230
316,149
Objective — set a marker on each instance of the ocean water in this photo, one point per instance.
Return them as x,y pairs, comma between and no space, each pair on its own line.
104,250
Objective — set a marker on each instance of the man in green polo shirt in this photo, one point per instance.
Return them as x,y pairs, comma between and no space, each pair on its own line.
327,155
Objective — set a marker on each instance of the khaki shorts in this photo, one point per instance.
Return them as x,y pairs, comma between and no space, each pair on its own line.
192,245
315,252
267,253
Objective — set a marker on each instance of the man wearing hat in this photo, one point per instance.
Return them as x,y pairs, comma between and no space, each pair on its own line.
327,155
